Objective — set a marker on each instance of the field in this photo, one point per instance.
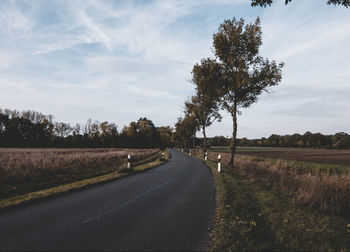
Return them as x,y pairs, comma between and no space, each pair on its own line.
253,216
268,203
324,156
25,170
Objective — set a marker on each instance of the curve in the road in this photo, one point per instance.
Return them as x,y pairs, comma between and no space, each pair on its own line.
170,207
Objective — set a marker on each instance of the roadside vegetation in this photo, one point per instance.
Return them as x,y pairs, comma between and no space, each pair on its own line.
320,186
328,157
255,215
26,170
275,198
139,163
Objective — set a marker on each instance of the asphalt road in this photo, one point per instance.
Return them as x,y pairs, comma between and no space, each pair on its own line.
170,207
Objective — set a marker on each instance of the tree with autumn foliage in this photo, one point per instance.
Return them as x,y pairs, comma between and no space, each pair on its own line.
203,106
244,73
185,128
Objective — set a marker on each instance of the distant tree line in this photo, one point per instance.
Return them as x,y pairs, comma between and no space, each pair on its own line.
339,140
34,129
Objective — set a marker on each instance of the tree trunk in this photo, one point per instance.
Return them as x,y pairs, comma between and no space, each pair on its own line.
234,137
204,142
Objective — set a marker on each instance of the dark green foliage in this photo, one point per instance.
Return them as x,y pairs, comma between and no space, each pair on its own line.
33,129
340,140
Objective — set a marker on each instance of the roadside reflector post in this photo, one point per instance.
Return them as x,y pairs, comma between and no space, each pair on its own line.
128,165
206,156
219,163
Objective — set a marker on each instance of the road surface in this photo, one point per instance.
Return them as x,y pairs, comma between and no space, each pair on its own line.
170,207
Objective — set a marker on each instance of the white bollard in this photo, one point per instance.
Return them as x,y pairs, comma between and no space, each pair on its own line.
129,162
206,156
219,163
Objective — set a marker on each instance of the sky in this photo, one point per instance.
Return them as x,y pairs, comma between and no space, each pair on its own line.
118,61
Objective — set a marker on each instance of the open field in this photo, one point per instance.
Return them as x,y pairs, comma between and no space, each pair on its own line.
336,157
254,216
322,186
263,204
25,170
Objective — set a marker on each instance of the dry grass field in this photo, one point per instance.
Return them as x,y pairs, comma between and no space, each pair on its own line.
321,185
268,203
324,156
23,170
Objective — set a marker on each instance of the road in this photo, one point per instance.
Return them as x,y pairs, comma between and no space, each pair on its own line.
169,207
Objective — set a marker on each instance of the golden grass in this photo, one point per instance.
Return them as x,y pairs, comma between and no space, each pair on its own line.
328,192
45,193
24,170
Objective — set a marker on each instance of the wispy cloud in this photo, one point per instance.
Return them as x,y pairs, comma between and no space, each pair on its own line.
118,60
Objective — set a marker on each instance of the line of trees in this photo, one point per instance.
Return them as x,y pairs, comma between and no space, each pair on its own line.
231,81
339,140
34,129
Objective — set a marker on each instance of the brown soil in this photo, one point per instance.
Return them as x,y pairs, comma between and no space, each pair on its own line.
338,157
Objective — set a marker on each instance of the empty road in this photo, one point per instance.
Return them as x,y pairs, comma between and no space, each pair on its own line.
170,207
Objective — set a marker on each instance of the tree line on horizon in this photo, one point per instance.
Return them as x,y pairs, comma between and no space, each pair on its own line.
34,129
340,140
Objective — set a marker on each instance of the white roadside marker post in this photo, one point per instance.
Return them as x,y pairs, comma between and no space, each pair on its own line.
219,163
206,156
128,165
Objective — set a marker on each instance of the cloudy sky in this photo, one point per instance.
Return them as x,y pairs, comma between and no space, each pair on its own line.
121,60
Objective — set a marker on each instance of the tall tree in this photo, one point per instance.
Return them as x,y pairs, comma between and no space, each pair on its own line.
264,3
204,104
245,74
185,128
166,134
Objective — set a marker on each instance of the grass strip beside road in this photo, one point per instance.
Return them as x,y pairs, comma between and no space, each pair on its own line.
141,166
251,216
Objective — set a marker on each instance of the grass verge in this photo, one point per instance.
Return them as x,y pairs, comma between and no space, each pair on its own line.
251,216
140,166
301,167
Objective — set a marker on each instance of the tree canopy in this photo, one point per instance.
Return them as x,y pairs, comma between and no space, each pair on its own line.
203,106
185,128
245,74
